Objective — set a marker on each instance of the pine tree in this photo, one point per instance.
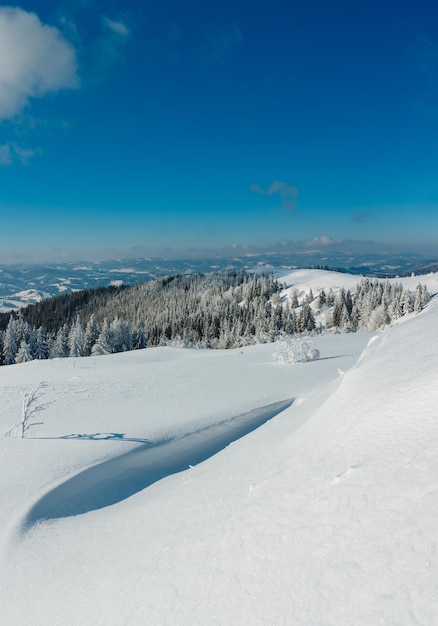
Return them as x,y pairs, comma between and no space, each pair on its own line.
306,319
337,312
103,344
422,297
41,349
92,333
345,321
24,353
407,302
76,339
396,310
10,343
294,299
139,338
121,336
322,298
348,300
59,348
425,295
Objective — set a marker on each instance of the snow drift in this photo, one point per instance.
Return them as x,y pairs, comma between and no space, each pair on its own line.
119,478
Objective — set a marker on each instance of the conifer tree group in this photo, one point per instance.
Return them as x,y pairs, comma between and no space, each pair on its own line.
228,309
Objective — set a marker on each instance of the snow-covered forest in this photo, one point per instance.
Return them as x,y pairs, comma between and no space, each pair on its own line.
227,309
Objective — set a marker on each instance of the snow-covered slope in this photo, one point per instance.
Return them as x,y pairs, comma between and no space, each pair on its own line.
326,514
304,279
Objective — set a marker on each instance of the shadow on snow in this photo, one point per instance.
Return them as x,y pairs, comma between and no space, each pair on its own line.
100,437
117,479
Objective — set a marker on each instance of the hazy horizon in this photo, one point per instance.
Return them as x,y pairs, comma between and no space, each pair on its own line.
321,246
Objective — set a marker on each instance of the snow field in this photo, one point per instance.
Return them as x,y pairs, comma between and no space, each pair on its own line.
326,514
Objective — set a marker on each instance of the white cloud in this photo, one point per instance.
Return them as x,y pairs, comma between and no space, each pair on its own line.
324,240
35,59
24,154
288,193
5,154
10,152
116,27
362,216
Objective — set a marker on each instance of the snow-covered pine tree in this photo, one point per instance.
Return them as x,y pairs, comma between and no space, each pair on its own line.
76,339
139,337
10,343
407,302
395,307
121,336
294,299
103,344
24,353
309,297
59,348
92,333
41,349
421,299
306,319
322,298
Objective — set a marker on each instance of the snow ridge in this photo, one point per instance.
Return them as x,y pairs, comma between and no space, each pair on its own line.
115,480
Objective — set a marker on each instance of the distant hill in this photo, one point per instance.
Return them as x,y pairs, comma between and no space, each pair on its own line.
21,285
431,268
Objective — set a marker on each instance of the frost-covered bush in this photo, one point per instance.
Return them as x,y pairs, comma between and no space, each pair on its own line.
292,350
178,342
307,351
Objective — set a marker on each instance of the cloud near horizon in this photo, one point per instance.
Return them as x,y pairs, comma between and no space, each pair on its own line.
104,251
361,216
35,59
288,193
324,240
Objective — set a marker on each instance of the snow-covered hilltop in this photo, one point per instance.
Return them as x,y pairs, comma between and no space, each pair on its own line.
121,507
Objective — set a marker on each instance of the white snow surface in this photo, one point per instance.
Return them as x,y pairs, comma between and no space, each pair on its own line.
122,506
303,280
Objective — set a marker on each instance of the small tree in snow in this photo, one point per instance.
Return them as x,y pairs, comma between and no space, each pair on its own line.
292,350
29,407
379,318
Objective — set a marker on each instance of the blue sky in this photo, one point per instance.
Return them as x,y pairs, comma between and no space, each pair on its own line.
183,127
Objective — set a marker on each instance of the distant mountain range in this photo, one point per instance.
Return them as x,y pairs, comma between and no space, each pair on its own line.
21,285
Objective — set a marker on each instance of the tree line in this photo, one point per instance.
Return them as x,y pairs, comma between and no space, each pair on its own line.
228,309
